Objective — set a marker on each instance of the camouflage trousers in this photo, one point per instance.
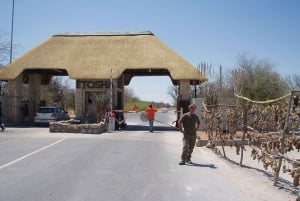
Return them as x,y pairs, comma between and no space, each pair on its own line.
188,147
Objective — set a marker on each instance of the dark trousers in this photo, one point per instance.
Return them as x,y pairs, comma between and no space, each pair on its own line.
188,147
151,124
1,124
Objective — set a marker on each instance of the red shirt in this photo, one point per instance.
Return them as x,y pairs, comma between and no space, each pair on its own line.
150,113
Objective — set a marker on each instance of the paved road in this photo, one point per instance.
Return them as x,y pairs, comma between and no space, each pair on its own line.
127,165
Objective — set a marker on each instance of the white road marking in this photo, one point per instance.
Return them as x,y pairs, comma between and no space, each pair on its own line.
188,188
30,154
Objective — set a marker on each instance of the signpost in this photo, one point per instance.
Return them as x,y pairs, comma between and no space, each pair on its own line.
111,117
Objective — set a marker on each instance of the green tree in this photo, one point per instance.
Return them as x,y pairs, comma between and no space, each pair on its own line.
293,81
4,57
210,93
129,95
4,50
60,92
256,80
173,92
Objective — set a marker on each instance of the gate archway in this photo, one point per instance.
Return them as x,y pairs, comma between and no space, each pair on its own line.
94,60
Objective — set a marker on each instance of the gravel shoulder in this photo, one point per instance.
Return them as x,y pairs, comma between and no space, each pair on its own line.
252,178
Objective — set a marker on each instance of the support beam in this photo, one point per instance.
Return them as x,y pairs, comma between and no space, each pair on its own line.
79,103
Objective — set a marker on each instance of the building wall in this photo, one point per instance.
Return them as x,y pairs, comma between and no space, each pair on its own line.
92,99
14,100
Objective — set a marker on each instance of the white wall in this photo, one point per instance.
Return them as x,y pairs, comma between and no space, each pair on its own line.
200,111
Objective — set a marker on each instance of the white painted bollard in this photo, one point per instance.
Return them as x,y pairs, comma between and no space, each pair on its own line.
111,124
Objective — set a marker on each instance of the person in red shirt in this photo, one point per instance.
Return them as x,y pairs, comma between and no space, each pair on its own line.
150,115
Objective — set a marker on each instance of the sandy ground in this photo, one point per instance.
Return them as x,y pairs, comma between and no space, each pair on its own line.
252,176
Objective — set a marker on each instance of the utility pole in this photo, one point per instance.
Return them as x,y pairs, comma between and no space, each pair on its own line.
12,31
220,77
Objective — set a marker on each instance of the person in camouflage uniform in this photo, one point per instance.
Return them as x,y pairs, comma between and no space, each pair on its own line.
188,124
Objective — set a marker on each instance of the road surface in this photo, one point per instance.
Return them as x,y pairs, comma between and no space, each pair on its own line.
127,165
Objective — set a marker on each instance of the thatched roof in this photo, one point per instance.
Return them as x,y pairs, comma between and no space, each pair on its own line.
95,55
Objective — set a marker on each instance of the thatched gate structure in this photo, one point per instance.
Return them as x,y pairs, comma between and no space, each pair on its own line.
93,59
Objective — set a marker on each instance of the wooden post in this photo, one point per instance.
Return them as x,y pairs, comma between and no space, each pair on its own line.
284,134
245,128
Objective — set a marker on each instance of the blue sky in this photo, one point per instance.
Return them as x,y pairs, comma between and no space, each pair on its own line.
212,31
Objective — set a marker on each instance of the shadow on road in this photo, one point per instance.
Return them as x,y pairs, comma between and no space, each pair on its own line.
202,165
146,128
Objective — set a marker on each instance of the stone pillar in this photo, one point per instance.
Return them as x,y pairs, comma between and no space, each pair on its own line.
115,94
120,93
14,100
184,90
184,97
35,94
79,103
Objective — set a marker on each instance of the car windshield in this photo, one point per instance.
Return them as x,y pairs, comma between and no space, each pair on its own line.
59,110
46,110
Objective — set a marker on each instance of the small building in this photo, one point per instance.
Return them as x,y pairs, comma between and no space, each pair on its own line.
94,60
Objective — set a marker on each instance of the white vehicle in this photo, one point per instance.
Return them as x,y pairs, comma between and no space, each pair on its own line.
48,114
